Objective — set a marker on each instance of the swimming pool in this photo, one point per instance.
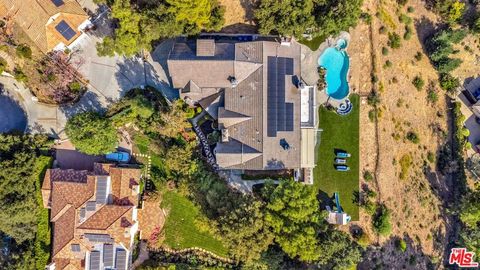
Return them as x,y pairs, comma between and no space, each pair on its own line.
336,62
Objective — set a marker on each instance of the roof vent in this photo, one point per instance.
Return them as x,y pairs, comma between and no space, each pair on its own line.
225,135
233,81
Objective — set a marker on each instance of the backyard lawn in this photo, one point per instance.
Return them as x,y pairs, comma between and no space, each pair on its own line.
180,228
339,132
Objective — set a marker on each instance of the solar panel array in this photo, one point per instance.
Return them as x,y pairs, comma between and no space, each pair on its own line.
65,30
108,255
121,259
91,206
101,193
57,3
279,113
95,260
102,238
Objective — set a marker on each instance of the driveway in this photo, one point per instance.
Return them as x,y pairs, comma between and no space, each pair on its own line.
109,79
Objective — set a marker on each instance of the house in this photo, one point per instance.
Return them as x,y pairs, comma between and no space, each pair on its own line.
50,24
265,113
93,215
470,108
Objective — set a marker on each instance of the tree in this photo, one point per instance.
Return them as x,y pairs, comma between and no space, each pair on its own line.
173,120
292,212
146,21
24,51
470,214
91,133
450,10
333,16
179,162
381,221
286,18
244,230
448,82
338,251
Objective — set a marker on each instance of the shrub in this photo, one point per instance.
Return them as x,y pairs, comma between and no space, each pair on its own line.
431,157
418,56
432,96
24,51
448,82
19,75
388,64
384,50
418,82
413,137
363,240
366,17
394,40
75,86
405,19
402,2
367,176
371,115
401,245
3,65
373,98
381,221
405,163
410,9
408,33
382,30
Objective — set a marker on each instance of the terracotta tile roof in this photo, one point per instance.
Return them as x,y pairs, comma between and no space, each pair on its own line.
63,230
37,16
103,218
74,193
122,181
102,168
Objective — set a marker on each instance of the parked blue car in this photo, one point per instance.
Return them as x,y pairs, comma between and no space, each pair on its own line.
118,156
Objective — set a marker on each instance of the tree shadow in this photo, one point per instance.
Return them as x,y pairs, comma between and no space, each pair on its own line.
88,102
425,29
391,256
130,73
249,6
236,28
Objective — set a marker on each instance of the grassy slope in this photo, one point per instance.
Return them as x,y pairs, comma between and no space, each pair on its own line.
43,237
340,132
180,229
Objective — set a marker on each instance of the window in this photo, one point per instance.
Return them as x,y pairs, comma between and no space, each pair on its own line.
65,30
75,247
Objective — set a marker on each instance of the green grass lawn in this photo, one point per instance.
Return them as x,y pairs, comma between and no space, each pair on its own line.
339,132
180,228
314,43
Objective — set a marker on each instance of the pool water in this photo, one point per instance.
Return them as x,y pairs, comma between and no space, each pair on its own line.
336,63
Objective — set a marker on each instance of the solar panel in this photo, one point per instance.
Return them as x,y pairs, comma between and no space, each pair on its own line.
121,259
75,247
272,97
91,206
103,238
95,260
65,30
101,193
57,3
108,255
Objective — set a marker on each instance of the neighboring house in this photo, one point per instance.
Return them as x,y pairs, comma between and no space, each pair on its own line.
94,216
253,89
470,108
50,24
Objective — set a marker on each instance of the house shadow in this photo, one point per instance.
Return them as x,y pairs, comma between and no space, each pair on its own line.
236,28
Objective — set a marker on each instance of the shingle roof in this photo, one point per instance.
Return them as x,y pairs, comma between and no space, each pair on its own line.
34,16
103,218
249,99
63,230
